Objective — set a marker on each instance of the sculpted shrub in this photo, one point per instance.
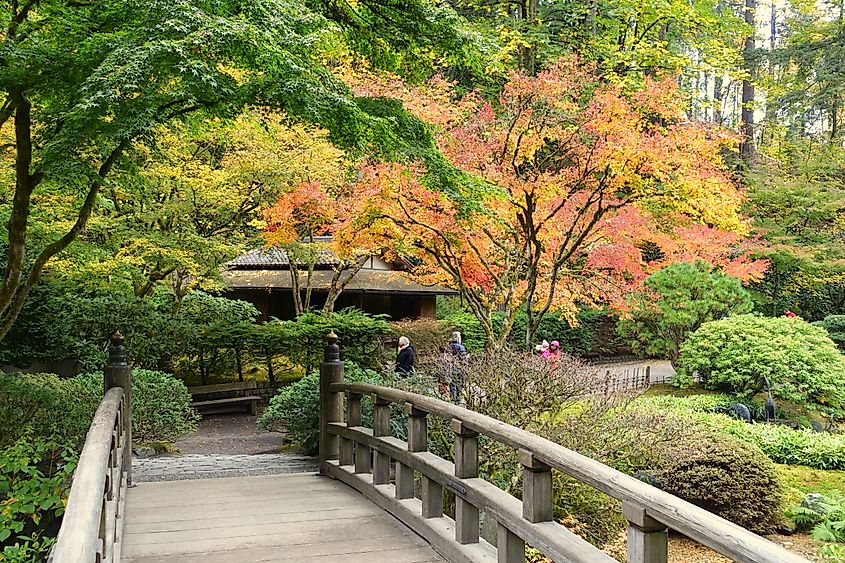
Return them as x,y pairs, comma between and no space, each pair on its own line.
677,300
739,353
724,475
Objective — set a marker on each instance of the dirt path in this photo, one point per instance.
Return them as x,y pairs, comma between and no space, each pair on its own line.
230,434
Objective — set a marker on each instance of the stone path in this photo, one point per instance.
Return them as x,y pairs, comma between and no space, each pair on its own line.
210,466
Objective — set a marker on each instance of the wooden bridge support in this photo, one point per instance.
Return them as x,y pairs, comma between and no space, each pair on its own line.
117,373
331,402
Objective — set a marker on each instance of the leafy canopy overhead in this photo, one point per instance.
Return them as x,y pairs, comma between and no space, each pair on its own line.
82,82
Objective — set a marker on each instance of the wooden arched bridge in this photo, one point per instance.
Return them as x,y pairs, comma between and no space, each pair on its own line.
357,508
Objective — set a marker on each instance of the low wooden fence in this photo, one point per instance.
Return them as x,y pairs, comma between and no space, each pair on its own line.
361,457
628,379
92,526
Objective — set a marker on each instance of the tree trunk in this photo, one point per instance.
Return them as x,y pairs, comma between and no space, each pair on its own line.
747,148
717,99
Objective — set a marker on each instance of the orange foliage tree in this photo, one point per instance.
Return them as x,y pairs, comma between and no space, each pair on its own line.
572,192
311,210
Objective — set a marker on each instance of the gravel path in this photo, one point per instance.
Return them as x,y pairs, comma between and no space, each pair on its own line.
228,445
230,434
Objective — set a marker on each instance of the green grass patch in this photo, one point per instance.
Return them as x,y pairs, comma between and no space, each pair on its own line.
798,480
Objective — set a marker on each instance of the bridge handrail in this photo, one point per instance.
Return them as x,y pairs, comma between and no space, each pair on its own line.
701,525
648,510
92,525
95,486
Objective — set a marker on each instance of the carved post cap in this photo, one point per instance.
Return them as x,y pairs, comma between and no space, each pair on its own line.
117,351
331,353
117,339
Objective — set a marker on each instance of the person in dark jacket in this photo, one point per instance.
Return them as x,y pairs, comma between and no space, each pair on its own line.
458,354
405,357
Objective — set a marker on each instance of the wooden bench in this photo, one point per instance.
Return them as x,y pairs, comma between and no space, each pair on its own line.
248,400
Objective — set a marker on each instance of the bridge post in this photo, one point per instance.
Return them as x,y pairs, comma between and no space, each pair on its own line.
381,427
117,373
331,403
466,467
648,539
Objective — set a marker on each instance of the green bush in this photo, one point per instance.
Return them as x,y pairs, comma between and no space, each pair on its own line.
296,408
161,404
725,476
595,334
737,354
835,327
782,444
43,407
34,478
674,302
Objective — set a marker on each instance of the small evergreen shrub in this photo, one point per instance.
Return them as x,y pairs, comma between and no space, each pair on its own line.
296,408
835,327
782,444
44,407
161,404
725,476
739,353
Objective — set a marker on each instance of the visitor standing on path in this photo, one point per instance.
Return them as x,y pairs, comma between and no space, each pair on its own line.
458,357
404,357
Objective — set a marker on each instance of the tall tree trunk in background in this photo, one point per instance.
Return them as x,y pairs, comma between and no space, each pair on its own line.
528,13
773,27
747,128
717,98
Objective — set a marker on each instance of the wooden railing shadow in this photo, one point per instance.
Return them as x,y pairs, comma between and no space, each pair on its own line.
92,526
361,457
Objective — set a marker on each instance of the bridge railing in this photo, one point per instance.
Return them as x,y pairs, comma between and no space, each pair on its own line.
92,525
361,457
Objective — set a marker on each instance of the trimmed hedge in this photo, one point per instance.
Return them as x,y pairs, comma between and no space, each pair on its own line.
161,404
724,475
782,444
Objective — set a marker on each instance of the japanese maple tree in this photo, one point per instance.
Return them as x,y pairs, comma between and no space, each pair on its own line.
568,181
310,210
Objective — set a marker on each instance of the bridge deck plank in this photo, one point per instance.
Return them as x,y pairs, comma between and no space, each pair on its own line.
268,518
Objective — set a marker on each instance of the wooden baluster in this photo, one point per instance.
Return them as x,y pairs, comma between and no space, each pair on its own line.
648,539
381,427
432,491
511,548
417,442
347,446
466,467
362,452
536,488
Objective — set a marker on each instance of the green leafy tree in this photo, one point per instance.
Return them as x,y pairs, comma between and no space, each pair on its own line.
81,82
675,301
